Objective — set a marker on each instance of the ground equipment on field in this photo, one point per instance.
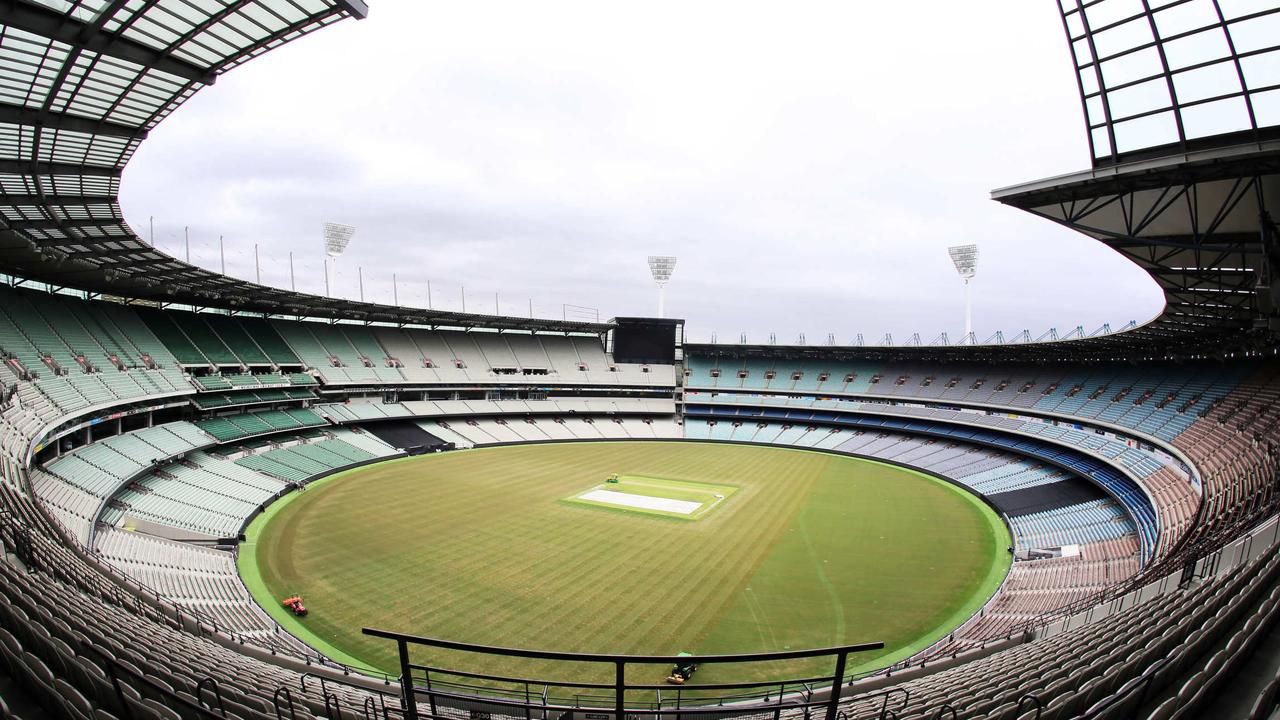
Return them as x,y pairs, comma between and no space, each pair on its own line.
683,669
294,605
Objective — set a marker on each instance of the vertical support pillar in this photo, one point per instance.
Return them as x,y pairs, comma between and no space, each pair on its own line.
619,690
837,684
407,700
968,314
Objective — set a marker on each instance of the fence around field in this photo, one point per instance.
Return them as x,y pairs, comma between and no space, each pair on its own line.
435,692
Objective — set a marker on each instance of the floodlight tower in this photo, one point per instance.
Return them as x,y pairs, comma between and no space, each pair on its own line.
965,258
336,238
661,266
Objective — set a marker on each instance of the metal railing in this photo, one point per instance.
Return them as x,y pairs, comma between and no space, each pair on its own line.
610,700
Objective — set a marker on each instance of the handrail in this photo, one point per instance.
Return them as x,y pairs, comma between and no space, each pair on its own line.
217,694
946,707
620,686
906,698
288,696
1039,705
609,686
334,712
371,708
115,666
614,658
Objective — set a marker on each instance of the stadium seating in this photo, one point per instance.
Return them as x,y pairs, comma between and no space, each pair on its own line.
298,463
137,501
1144,594
1114,394
75,485
1187,456
234,427
1158,474
202,581
1097,525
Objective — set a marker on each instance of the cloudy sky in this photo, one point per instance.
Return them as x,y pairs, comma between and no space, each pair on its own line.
809,163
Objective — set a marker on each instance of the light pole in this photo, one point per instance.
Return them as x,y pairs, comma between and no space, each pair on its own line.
965,258
336,238
661,266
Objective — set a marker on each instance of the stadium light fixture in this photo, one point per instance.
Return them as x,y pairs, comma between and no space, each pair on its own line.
661,266
965,258
336,239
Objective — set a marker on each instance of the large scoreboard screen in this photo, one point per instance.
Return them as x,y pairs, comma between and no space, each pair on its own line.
645,340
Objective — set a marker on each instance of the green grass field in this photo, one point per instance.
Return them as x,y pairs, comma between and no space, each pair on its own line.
812,550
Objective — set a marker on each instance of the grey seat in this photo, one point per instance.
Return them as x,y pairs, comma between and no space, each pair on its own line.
74,699
10,650
1267,700
161,712
1164,710
39,681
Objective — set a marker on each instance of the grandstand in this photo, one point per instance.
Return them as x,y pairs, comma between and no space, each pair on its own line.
150,410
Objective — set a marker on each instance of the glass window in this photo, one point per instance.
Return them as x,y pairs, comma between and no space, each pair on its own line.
1266,108
1140,98
1083,55
1075,26
1110,12
1093,106
1132,67
1206,82
1101,142
1215,118
1237,8
1186,17
1089,81
1257,33
1199,48
1120,38
1145,132
1261,70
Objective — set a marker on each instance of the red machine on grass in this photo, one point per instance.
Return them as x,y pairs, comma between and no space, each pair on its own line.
294,605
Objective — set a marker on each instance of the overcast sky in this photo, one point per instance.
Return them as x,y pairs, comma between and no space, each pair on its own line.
808,162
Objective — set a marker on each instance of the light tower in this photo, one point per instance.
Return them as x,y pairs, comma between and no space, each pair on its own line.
336,238
661,266
965,258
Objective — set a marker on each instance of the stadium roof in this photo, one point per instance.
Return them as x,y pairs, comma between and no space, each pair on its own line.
81,84
1198,223
1165,76
1201,223
1181,100
1182,104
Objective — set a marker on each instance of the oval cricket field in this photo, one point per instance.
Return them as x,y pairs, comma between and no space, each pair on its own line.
628,547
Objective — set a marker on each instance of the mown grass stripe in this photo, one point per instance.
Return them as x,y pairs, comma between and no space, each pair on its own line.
476,545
